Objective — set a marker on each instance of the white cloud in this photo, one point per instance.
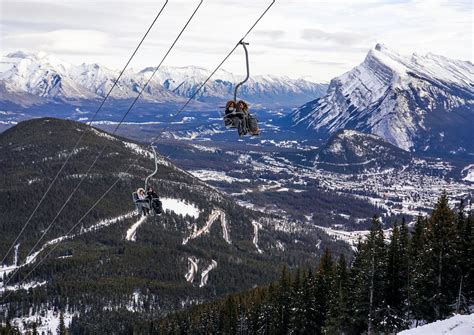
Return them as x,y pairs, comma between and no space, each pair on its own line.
311,38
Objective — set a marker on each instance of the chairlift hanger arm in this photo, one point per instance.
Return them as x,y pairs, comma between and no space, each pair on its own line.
156,167
244,44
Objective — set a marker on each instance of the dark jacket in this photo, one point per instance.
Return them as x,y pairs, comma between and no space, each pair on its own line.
151,195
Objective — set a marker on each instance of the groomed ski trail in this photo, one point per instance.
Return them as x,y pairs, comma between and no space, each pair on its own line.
215,214
256,226
193,269
205,273
132,231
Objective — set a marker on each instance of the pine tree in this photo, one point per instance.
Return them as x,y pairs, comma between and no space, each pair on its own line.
324,277
376,260
309,296
297,306
339,310
62,326
283,304
395,293
404,249
359,290
417,291
441,268
469,261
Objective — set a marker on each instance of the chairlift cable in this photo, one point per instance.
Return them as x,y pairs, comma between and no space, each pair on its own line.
152,142
114,131
82,135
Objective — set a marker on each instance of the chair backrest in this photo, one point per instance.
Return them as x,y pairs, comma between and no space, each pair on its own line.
135,196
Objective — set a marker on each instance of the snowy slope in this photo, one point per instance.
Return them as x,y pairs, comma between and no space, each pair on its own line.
412,102
48,77
456,325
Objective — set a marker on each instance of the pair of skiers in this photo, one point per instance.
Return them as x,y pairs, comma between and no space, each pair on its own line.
237,116
148,200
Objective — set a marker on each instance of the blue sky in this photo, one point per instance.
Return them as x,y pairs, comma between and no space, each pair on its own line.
313,39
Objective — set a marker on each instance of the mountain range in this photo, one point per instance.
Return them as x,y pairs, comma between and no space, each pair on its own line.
418,103
43,77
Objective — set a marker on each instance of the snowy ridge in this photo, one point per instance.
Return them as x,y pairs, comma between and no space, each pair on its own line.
392,96
214,216
456,325
46,76
205,273
192,269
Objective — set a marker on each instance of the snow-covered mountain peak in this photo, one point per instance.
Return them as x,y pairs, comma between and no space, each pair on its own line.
46,76
407,100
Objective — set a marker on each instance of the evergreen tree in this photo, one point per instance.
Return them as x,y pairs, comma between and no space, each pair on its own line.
376,259
441,279
339,314
297,303
359,290
62,326
468,287
283,303
418,292
323,286
395,293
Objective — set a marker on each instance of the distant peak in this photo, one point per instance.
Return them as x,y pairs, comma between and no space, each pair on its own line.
379,47
18,54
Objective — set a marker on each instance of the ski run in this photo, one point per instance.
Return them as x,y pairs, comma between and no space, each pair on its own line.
193,269
214,216
205,273
132,231
256,226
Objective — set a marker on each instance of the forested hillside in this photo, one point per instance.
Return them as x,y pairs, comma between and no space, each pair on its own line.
110,259
417,275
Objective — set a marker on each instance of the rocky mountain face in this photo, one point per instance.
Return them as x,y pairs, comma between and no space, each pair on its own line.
419,103
46,76
203,246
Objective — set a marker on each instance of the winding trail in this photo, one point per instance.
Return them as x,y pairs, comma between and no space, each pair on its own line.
205,273
193,269
132,231
256,226
213,217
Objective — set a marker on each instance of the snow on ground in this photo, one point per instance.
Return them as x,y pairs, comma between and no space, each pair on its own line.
351,237
180,207
204,148
145,152
456,325
5,270
210,175
215,214
192,270
25,286
205,273
45,324
103,134
256,227
132,231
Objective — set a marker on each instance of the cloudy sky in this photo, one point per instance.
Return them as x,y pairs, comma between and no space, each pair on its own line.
313,39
